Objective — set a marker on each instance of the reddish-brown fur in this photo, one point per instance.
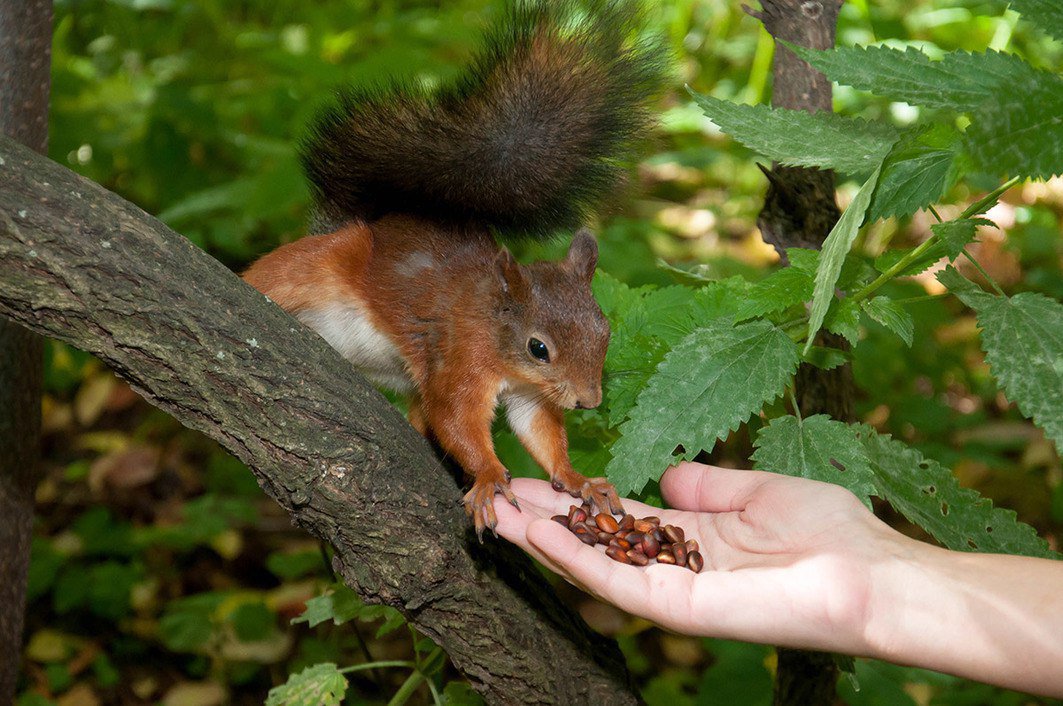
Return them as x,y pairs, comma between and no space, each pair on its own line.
460,312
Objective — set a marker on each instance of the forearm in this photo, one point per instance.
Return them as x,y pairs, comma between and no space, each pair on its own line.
993,618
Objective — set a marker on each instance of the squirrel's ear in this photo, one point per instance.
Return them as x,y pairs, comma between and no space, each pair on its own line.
510,276
583,253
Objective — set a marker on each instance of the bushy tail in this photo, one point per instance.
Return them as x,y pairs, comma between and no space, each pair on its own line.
528,142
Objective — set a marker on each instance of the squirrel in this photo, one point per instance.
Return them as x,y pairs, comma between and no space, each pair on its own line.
409,283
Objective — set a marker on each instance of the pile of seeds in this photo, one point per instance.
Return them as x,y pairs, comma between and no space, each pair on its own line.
632,541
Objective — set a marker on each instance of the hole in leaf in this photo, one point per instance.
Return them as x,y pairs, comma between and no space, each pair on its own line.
924,465
678,450
945,509
989,529
971,544
837,464
930,490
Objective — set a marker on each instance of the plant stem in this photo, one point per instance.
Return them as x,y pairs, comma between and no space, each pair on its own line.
374,665
977,207
413,681
985,274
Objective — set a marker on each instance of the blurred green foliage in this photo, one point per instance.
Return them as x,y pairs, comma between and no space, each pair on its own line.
161,572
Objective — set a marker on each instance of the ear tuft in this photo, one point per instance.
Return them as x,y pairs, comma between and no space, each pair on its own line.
583,253
510,274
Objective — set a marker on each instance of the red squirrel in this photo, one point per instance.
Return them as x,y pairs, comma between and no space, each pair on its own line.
409,283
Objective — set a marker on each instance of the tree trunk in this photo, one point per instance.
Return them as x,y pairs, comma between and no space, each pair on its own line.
799,211
25,53
82,265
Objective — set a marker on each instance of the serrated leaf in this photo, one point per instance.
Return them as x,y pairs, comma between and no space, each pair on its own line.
340,604
929,495
891,315
1020,133
958,234
319,685
844,319
711,382
1046,15
916,172
826,358
819,448
1022,337
959,81
629,364
832,256
778,291
798,138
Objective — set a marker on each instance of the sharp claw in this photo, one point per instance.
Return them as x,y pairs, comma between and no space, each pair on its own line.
480,533
513,501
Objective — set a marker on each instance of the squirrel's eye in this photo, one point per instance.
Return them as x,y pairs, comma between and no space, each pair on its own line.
538,350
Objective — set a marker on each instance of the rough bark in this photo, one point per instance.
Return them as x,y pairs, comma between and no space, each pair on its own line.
799,211
84,266
25,59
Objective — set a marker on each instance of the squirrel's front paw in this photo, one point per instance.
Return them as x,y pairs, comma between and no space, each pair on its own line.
596,492
479,504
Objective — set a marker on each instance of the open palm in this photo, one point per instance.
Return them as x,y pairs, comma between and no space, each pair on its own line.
788,561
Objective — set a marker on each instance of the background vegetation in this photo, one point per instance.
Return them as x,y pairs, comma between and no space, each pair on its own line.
160,572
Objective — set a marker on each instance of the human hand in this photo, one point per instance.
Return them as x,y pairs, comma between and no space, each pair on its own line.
788,561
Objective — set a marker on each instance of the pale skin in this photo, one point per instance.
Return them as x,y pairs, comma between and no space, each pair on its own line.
795,562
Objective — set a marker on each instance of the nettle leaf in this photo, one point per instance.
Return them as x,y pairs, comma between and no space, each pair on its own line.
798,138
706,386
929,495
1022,337
916,173
629,364
891,315
960,80
319,685
844,320
1020,133
340,604
778,291
958,234
722,299
832,256
826,358
819,448
1047,15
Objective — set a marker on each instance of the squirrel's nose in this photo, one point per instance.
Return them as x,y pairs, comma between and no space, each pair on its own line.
590,399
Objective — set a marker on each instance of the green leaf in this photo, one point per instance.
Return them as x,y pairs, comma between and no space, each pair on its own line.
778,291
960,81
458,693
1021,132
844,319
1046,15
832,256
1022,337
929,495
819,448
956,235
892,316
706,386
826,358
916,172
252,621
340,604
319,685
798,138
629,364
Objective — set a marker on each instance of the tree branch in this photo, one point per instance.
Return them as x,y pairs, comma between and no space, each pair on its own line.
82,265
25,60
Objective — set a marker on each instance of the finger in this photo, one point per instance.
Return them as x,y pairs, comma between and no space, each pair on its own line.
540,493
696,486
513,527
623,585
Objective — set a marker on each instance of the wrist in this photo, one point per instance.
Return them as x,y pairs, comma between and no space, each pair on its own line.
900,606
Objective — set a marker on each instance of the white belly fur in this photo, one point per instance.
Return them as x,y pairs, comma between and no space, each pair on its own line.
349,331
